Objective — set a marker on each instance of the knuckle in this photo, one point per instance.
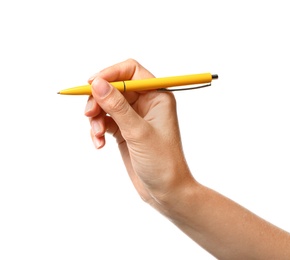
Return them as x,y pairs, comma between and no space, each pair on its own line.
133,62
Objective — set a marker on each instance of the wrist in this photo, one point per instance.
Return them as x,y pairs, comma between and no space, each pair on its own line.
178,197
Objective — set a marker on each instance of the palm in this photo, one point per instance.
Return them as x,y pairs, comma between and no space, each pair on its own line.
137,155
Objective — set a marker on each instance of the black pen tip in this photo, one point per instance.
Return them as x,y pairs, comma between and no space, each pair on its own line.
58,93
214,76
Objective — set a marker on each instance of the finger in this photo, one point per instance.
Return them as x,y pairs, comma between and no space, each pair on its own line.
129,69
92,108
113,129
98,142
98,125
115,104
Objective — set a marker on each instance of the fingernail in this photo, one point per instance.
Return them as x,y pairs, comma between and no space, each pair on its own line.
91,78
96,127
89,105
99,142
101,87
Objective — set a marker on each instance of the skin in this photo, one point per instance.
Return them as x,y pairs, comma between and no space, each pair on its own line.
145,125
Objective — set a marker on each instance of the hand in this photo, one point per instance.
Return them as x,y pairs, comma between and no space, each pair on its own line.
146,128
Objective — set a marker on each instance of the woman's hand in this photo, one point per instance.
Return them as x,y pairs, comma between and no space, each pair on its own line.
146,128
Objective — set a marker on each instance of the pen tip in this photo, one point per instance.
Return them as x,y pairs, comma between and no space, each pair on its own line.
58,93
214,76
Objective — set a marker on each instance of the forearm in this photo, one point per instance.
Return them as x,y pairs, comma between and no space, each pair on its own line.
224,228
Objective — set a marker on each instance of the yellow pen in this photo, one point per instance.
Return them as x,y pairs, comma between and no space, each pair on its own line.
149,84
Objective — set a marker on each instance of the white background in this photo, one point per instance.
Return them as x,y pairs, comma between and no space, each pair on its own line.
62,199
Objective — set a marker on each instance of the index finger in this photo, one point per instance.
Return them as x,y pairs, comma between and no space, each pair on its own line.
126,70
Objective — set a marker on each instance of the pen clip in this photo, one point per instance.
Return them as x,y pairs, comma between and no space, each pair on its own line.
182,89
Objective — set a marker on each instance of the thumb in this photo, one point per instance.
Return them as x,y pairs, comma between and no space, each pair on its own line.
114,103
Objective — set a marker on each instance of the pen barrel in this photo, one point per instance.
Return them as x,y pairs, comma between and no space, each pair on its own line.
147,84
167,82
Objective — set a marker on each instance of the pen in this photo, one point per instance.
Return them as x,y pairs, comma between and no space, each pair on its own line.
147,84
